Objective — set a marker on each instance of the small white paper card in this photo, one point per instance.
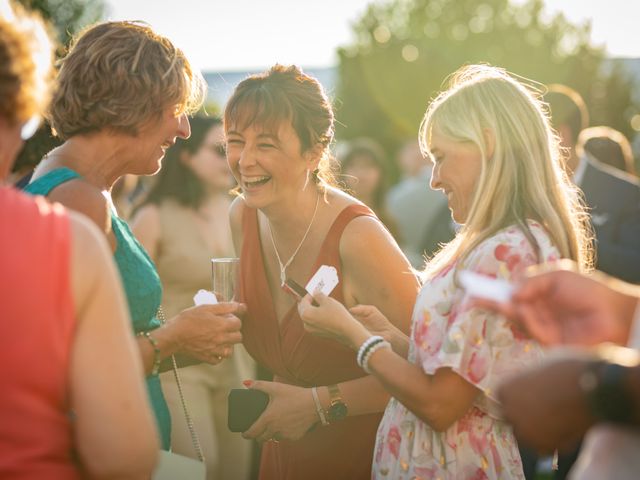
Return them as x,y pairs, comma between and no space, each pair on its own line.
205,297
482,286
324,280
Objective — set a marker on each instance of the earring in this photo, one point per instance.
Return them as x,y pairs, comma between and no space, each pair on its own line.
306,181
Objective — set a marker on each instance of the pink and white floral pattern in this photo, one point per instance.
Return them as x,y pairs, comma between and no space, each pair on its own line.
481,347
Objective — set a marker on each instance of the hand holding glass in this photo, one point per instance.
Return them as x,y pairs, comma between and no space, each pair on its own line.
224,273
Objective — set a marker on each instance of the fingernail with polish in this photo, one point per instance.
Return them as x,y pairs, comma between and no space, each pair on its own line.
247,383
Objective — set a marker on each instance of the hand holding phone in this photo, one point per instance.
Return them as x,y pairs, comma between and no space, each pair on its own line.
245,407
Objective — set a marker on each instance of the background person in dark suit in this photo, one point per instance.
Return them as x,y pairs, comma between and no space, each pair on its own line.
612,196
613,200
609,146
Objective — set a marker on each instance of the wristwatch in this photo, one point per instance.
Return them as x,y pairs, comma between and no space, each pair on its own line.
337,408
603,384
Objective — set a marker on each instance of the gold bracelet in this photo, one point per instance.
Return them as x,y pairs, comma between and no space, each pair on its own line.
155,369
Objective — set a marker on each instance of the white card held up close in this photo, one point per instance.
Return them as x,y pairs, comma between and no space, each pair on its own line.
205,297
324,280
482,286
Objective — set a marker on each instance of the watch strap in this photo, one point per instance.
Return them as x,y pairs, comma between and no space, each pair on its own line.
603,384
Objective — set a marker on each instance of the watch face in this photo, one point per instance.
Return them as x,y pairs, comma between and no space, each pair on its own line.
337,411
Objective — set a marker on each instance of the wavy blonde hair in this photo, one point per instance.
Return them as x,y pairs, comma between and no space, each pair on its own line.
120,75
523,178
26,54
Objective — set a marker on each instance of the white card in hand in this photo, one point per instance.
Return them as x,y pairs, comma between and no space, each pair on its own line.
324,280
205,297
482,286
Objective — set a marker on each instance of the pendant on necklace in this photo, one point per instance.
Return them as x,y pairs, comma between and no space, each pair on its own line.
283,277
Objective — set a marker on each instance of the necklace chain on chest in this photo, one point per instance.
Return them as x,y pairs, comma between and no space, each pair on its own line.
283,267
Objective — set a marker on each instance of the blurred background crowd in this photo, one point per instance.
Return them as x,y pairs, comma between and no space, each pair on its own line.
397,47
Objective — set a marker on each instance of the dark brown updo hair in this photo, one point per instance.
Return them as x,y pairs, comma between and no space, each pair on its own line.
286,94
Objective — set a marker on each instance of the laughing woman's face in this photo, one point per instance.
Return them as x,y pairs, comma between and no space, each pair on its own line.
268,165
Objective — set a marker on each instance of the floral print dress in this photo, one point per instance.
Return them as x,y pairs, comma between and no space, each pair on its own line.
480,346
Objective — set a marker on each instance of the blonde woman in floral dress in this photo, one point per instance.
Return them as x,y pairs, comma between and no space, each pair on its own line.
497,161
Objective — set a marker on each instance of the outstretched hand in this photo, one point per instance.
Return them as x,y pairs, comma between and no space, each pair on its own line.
533,401
563,306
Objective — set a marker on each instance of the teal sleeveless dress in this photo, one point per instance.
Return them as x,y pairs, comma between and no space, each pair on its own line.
141,284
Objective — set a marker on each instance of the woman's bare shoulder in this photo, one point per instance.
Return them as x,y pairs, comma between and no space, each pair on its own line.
80,196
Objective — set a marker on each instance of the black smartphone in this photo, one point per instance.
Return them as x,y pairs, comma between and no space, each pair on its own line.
245,406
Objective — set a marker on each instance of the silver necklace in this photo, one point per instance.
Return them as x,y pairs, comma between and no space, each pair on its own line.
283,267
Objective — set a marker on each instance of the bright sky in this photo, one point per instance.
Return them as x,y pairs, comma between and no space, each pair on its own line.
225,35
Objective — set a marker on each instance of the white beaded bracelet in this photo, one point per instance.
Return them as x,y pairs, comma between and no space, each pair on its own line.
366,345
371,351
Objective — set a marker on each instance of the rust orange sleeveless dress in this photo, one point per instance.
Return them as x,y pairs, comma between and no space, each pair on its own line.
343,450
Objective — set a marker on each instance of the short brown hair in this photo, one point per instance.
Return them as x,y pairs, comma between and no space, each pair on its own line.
286,94
119,75
26,52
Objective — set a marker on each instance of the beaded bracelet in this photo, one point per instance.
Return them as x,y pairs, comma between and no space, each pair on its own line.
319,409
366,345
371,351
156,352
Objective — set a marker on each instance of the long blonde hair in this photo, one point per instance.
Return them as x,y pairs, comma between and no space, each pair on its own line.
522,179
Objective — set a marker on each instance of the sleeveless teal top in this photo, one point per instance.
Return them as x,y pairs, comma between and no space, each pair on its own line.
141,284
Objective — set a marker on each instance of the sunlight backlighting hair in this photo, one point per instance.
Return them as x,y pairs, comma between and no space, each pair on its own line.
120,75
26,54
523,179
286,94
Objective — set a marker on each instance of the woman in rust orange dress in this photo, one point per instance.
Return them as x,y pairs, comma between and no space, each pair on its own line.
289,220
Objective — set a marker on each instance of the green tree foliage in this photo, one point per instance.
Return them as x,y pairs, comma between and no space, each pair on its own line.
68,17
404,50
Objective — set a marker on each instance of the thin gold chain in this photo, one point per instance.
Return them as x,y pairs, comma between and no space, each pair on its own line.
192,431
283,267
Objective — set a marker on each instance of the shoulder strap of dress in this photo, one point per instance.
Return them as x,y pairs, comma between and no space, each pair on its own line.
43,185
342,220
249,228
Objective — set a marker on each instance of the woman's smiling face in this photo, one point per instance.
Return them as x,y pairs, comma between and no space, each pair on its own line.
268,165
456,169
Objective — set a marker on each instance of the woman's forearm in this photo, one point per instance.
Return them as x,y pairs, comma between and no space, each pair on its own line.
399,342
438,400
362,396
165,343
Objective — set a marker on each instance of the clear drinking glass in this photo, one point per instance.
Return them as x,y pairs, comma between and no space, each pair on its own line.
224,274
